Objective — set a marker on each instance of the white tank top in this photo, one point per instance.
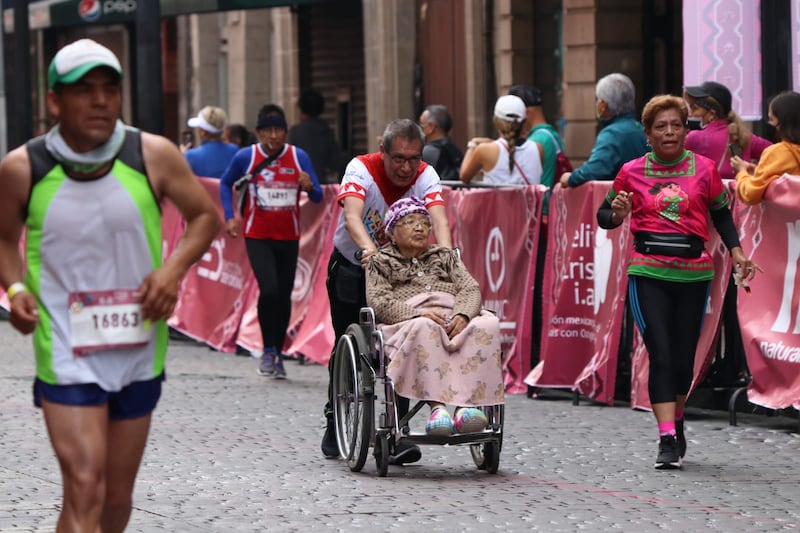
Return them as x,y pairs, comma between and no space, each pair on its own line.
526,161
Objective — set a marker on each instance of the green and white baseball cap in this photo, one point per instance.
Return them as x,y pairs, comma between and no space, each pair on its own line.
72,62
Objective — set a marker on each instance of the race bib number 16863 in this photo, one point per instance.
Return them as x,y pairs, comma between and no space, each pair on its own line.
105,320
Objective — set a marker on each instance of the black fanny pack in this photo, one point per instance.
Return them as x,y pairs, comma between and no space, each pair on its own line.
673,244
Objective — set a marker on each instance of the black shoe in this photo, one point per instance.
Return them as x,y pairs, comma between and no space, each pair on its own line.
405,452
668,458
330,448
681,437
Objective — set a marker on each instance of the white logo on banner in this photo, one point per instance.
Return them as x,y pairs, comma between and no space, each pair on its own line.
213,266
603,253
302,280
495,259
784,318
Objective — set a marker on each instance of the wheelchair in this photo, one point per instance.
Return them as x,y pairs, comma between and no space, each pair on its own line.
360,383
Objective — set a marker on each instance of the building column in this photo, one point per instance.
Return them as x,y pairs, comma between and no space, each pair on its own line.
389,42
285,74
204,43
248,38
600,38
475,66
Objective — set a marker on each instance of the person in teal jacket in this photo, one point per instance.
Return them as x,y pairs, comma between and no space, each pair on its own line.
621,138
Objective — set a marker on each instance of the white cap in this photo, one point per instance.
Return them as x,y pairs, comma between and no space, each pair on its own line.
510,107
211,119
72,62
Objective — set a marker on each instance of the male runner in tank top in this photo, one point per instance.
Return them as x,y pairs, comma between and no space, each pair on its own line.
95,293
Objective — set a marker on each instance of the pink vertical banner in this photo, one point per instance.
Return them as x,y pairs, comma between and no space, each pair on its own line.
498,235
313,335
721,42
769,316
795,29
584,295
212,294
309,295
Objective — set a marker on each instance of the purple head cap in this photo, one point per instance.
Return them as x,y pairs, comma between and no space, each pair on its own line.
401,208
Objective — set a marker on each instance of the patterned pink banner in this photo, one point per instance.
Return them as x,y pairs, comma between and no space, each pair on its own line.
497,231
770,315
721,42
223,286
795,29
584,296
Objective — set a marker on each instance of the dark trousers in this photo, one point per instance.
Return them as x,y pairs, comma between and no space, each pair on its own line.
274,264
669,316
347,295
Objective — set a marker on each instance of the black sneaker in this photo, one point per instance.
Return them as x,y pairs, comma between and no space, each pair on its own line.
681,437
405,452
267,365
278,370
668,458
330,448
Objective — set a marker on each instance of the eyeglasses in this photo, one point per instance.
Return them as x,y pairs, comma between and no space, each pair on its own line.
398,160
411,223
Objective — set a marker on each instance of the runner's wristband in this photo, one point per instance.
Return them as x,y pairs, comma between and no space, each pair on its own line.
16,288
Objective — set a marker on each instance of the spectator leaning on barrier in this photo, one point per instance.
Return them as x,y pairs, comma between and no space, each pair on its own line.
722,129
370,185
88,192
670,194
539,131
510,159
314,136
270,176
439,151
211,158
621,137
778,159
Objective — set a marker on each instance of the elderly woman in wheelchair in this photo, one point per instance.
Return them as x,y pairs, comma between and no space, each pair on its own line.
442,347
435,345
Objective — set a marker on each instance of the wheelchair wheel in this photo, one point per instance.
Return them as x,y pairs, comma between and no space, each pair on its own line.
487,455
353,397
382,454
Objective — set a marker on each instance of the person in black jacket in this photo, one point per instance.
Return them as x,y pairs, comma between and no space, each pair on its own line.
314,136
439,151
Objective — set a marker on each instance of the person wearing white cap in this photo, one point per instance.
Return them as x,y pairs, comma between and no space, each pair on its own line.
212,157
510,159
96,293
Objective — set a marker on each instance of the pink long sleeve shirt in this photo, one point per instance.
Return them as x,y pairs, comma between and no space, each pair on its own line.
712,142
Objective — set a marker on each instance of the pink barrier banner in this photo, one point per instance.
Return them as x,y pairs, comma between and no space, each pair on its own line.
770,315
498,232
709,334
212,295
721,42
795,29
584,295
310,330
217,302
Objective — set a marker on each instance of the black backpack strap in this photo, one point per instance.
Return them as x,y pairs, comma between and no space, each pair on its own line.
131,151
40,159
241,184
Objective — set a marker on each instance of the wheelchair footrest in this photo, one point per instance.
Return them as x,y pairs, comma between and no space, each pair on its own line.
455,439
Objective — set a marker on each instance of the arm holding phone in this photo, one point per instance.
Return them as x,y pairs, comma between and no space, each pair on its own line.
738,164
